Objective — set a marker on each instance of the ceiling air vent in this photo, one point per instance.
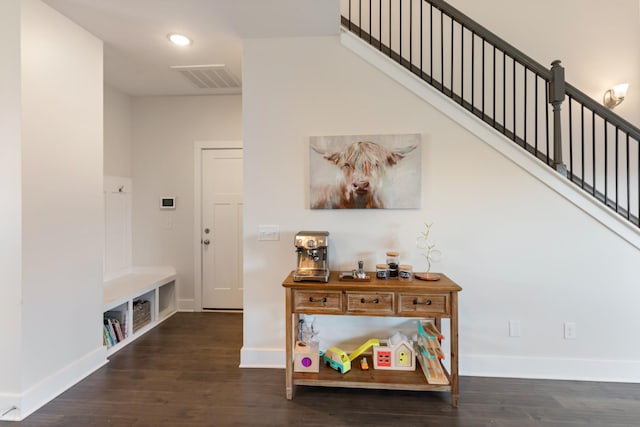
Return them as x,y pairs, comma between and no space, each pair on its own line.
208,76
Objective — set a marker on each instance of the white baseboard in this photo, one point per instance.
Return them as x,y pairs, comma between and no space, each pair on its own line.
50,387
262,358
186,305
627,371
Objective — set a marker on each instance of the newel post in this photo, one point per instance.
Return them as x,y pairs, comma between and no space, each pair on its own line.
556,97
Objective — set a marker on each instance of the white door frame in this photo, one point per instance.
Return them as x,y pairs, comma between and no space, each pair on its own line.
198,146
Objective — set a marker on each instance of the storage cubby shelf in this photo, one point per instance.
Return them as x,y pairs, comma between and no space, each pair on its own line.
156,285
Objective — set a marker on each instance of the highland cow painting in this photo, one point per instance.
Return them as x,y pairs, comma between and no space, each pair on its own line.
365,171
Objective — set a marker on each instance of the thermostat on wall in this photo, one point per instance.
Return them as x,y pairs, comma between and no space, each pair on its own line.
167,203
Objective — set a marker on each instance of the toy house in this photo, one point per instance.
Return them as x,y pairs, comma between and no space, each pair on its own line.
397,354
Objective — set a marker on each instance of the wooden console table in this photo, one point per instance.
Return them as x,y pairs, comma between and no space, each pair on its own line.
388,298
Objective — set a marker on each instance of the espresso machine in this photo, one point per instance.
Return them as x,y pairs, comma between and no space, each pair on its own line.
313,260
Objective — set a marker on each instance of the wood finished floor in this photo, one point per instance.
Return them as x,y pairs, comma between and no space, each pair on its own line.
185,373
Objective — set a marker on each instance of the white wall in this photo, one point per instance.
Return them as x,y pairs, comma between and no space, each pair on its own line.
118,129
62,238
164,132
118,196
117,132
596,41
519,250
10,202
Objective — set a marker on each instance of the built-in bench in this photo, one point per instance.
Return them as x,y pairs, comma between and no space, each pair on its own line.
138,300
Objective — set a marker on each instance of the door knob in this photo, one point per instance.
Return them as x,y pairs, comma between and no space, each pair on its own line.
206,241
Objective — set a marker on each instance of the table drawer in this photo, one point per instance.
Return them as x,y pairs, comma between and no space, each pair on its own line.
317,301
370,303
416,303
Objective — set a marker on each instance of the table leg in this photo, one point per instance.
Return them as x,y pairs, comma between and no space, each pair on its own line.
454,350
289,346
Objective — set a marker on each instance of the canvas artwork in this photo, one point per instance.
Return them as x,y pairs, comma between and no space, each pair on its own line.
365,171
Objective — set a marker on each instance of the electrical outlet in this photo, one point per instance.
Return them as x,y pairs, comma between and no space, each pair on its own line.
514,328
570,332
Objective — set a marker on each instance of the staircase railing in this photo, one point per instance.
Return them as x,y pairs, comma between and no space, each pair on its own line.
586,142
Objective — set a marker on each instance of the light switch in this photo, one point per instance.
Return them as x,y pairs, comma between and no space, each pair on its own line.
268,232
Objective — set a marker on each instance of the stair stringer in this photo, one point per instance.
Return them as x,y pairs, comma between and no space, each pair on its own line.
494,139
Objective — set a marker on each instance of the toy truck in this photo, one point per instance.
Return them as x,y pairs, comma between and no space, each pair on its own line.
337,359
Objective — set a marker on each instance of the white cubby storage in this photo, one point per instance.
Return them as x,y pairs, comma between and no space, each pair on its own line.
156,285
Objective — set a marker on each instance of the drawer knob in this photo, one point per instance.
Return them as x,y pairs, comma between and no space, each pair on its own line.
323,299
373,301
416,302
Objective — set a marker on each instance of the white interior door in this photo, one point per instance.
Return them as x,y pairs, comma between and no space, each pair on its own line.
221,232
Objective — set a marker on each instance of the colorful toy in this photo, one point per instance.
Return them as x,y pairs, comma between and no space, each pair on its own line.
430,353
337,359
306,357
397,354
364,365
364,347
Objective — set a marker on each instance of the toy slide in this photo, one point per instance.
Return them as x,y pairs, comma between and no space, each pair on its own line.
364,347
430,353
433,371
429,331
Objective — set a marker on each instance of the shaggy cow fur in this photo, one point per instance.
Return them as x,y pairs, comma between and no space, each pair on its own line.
362,167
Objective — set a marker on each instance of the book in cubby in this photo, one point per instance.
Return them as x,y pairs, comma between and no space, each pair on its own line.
115,327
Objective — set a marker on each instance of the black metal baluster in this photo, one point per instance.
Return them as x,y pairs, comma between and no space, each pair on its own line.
606,162
546,117
411,35
628,181
483,71
514,99
582,171
504,93
421,36
616,170
390,45
451,78
431,43
370,23
535,116
493,87
461,64
570,138
524,109
473,71
400,33
360,18
380,22
593,151
442,51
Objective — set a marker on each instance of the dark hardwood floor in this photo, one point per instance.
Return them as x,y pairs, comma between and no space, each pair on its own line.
185,373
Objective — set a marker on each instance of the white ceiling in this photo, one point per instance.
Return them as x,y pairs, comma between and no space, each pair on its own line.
138,56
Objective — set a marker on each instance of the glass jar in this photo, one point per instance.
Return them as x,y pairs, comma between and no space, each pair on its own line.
405,273
382,271
392,264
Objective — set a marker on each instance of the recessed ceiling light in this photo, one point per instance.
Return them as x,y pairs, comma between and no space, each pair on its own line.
179,39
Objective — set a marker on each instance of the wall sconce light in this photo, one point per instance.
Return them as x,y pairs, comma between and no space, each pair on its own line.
615,95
